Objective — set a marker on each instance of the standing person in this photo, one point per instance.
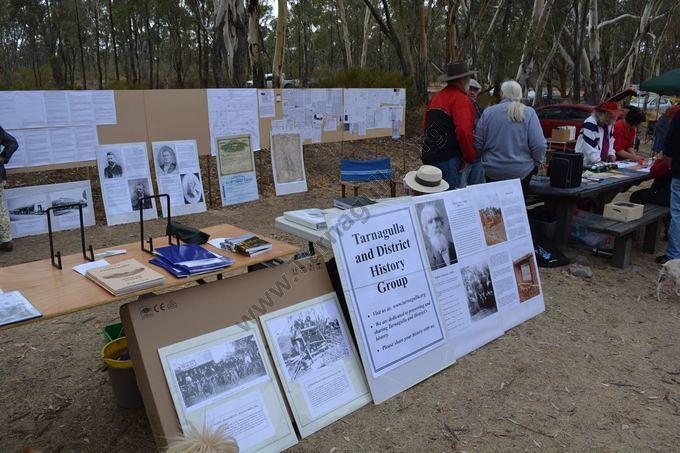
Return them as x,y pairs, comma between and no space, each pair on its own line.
448,124
510,139
9,145
596,139
671,149
474,174
624,134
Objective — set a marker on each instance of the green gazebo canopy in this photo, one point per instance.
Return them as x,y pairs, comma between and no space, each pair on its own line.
666,83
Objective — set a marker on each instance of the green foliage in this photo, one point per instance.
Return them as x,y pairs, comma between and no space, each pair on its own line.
363,78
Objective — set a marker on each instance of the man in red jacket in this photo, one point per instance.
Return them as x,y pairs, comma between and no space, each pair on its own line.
448,124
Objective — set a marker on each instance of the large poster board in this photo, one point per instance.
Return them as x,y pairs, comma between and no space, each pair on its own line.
316,361
178,174
233,111
27,207
125,179
391,299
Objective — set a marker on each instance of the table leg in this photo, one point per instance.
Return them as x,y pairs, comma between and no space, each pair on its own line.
311,248
622,248
651,239
564,211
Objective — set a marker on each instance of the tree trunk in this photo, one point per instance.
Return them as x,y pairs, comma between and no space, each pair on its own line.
80,45
345,32
533,37
364,42
149,42
113,39
280,44
596,82
388,30
254,44
235,35
100,75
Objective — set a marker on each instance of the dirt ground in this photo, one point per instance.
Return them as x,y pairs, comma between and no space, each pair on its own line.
599,370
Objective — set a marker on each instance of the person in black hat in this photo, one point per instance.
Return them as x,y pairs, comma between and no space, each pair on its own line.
448,124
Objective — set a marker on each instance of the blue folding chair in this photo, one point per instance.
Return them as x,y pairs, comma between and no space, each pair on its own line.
355,172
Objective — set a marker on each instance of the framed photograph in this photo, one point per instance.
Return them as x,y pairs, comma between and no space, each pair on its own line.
225,378
234,155
320,370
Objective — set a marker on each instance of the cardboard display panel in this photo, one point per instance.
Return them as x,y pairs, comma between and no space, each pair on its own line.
166,319
132,120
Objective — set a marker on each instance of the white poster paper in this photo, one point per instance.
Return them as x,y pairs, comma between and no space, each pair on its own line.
104,106
9,116
236,169
225,378
63,144
38,147
80,107
56,108
125,179
265,99
233,111
392,302
178,174
30,107
27,207
319,368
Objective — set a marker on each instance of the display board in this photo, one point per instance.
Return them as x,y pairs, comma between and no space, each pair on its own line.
374,112
125,179
236,301
178,174
236,169
27,207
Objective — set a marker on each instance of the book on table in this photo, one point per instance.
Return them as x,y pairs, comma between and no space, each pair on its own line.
311,218
247,244
14,307
126,277
352,202
189,259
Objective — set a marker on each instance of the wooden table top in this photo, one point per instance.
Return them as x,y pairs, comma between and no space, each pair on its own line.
58,292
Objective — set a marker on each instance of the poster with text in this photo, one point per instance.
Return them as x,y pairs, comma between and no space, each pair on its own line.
233,111
178,174
316,361
125,180
288,163
392,301
27,207
236,169
225,378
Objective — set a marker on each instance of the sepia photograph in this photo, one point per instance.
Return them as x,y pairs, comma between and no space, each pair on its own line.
112,165
479,288
434,224
166,160
191,188
526,276
139,188
309,339
492,221
218,370
286,152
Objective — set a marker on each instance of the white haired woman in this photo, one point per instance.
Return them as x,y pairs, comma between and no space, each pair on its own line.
509,138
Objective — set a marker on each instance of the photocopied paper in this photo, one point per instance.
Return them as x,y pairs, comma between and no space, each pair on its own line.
393,304
233,111
225,378
316,361
178,174
27,207
265,100
236,169
125,179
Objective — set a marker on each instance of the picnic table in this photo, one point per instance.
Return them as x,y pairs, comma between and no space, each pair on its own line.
565,201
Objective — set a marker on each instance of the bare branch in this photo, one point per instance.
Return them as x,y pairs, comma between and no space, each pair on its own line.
606,23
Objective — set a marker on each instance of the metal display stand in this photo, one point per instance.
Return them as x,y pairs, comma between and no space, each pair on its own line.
141,221
57,263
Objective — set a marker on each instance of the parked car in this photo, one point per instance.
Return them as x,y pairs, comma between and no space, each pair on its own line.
554,115
664,103
287,83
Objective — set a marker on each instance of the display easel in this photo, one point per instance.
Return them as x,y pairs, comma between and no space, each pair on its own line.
141,221
57,264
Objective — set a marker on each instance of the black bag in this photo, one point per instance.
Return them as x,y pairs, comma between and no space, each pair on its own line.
566,169
187,234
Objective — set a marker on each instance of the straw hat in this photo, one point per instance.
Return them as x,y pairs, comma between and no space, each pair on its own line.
427,179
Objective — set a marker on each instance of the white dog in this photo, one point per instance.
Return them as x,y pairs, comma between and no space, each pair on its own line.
669,271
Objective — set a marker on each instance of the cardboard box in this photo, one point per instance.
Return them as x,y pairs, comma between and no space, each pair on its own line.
165,319
561,134
623,211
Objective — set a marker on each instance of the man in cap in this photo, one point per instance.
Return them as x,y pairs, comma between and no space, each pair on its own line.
474,174
596,139
448,124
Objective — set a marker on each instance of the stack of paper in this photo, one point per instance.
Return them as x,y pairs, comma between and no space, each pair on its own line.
126,277
189,259
310,218
352,202
14,307
248,245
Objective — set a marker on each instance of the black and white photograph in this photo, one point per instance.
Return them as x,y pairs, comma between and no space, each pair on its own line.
192,189
167,161
309,339
434,223
68,197
14,307
139,188
479,288
27,207
113,165
218,370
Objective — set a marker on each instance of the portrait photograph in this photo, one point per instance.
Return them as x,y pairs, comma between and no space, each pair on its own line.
166,161
139,188
112,164
434,224
192,189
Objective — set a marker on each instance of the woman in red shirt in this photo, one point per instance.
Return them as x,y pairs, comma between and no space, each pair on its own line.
624,134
